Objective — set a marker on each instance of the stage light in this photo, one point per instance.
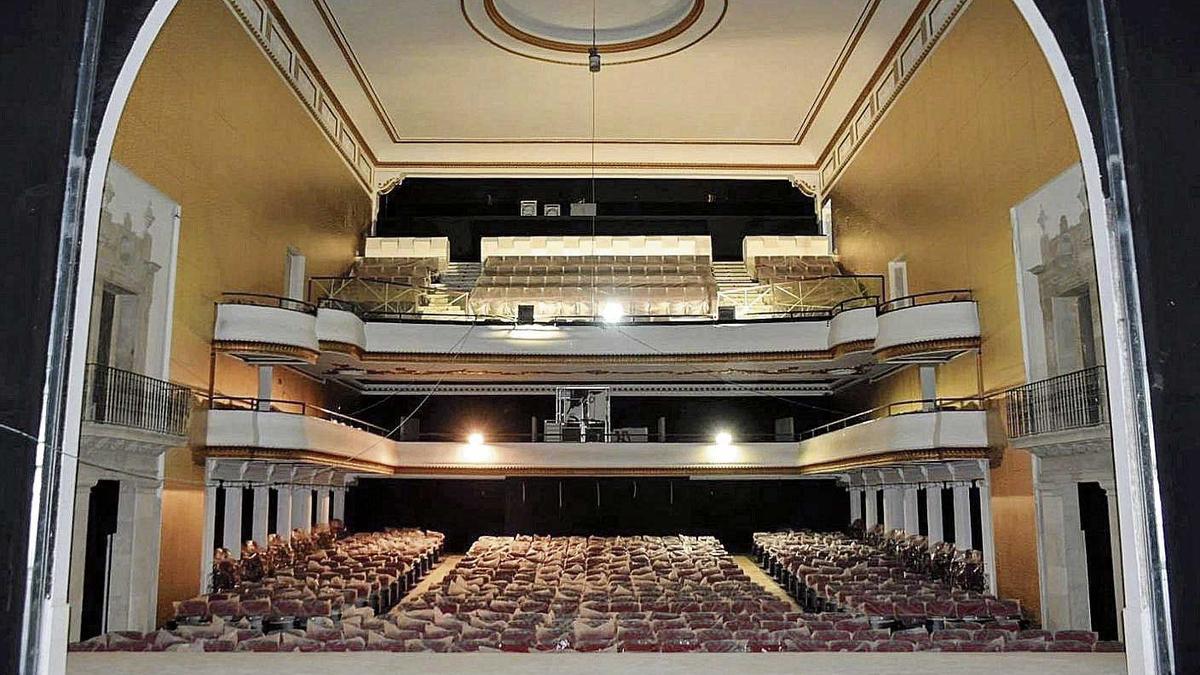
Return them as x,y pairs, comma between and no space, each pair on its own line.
475,439
612,312
724,438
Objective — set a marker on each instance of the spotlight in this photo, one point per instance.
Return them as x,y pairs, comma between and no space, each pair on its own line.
612,312
724,438
475,439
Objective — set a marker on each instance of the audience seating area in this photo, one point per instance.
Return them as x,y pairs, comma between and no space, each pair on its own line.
895,581
318,576
581,286
403,271
585,594
771,269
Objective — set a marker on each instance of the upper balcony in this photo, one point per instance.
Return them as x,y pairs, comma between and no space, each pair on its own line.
556,315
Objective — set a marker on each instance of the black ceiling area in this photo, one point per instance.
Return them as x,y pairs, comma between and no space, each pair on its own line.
465,209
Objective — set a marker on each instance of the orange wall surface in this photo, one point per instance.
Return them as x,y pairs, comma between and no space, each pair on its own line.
211,124
980,126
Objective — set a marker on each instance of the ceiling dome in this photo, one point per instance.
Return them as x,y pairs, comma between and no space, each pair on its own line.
561,31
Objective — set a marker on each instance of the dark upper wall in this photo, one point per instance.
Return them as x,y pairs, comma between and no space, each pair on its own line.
466,209
731,510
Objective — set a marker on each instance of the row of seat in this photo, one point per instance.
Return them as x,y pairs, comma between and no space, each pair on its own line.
771,269
406,271
309,577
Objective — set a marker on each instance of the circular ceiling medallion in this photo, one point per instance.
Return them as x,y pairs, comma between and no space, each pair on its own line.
623,31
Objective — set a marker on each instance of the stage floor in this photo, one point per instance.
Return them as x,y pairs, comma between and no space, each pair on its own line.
360,663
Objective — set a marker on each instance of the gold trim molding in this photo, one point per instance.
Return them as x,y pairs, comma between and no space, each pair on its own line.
897,457
911,349
274,349
503,24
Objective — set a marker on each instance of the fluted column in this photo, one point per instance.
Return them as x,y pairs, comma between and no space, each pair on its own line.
912,514
872,517
962,516
893,508
856,504
262,514
302,508
323,506
231,535
283,512
933,512
339,503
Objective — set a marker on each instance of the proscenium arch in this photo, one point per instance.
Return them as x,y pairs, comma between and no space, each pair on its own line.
1147,647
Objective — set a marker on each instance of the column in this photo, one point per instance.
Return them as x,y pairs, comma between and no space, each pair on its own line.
1114,538
989,540
339,504
302,508
1056,604
210,534
120,569
323,506
856,504
912,515
283,512
933,512
264,387
231,537
962,516
1076,558
872,517
83,494
262,513
893,508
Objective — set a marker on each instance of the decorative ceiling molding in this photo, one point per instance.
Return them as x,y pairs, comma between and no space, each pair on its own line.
338,35
678,28
265,23
839,65
925,28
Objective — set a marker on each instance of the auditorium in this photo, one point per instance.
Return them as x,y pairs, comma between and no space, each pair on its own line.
596,335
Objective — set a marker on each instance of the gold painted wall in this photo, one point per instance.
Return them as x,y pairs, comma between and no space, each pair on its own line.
979,127
211,124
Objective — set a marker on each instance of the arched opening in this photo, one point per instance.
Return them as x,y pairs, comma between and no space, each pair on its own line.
856,197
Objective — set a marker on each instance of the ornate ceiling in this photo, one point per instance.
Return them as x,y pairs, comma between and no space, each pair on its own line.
720,87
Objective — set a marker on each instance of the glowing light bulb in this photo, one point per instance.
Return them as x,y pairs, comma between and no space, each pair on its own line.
612,312
724,438
475,439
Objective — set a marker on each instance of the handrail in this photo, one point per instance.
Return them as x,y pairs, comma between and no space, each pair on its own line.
1075,400
947,296
304,408
896,409
125,398
267,300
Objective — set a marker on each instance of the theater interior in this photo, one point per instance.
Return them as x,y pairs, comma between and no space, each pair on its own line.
697,334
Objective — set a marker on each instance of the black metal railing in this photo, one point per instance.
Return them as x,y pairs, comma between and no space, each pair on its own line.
1072,401
267,300
128,399
291,407
930,298
895,409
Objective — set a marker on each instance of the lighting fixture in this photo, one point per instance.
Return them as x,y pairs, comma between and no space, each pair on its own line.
724,438
475,439
594,60
612,312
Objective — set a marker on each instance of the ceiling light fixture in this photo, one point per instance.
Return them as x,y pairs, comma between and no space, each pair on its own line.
613,312
475,439
594,60
724,438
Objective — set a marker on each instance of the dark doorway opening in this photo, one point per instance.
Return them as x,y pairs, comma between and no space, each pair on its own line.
103,502
1093,518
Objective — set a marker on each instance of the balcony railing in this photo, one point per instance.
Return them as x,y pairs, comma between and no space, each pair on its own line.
128,399
931,298
1063,403
894,409
818,295
380,299
292,408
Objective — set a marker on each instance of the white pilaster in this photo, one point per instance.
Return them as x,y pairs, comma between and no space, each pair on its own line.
962,516
988,534
262,514
283,512
893,508
933,512
1114,538
323,506
912,515
210,534
265,374
302,508
120,570
231,536
856,504
339,503
872,517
